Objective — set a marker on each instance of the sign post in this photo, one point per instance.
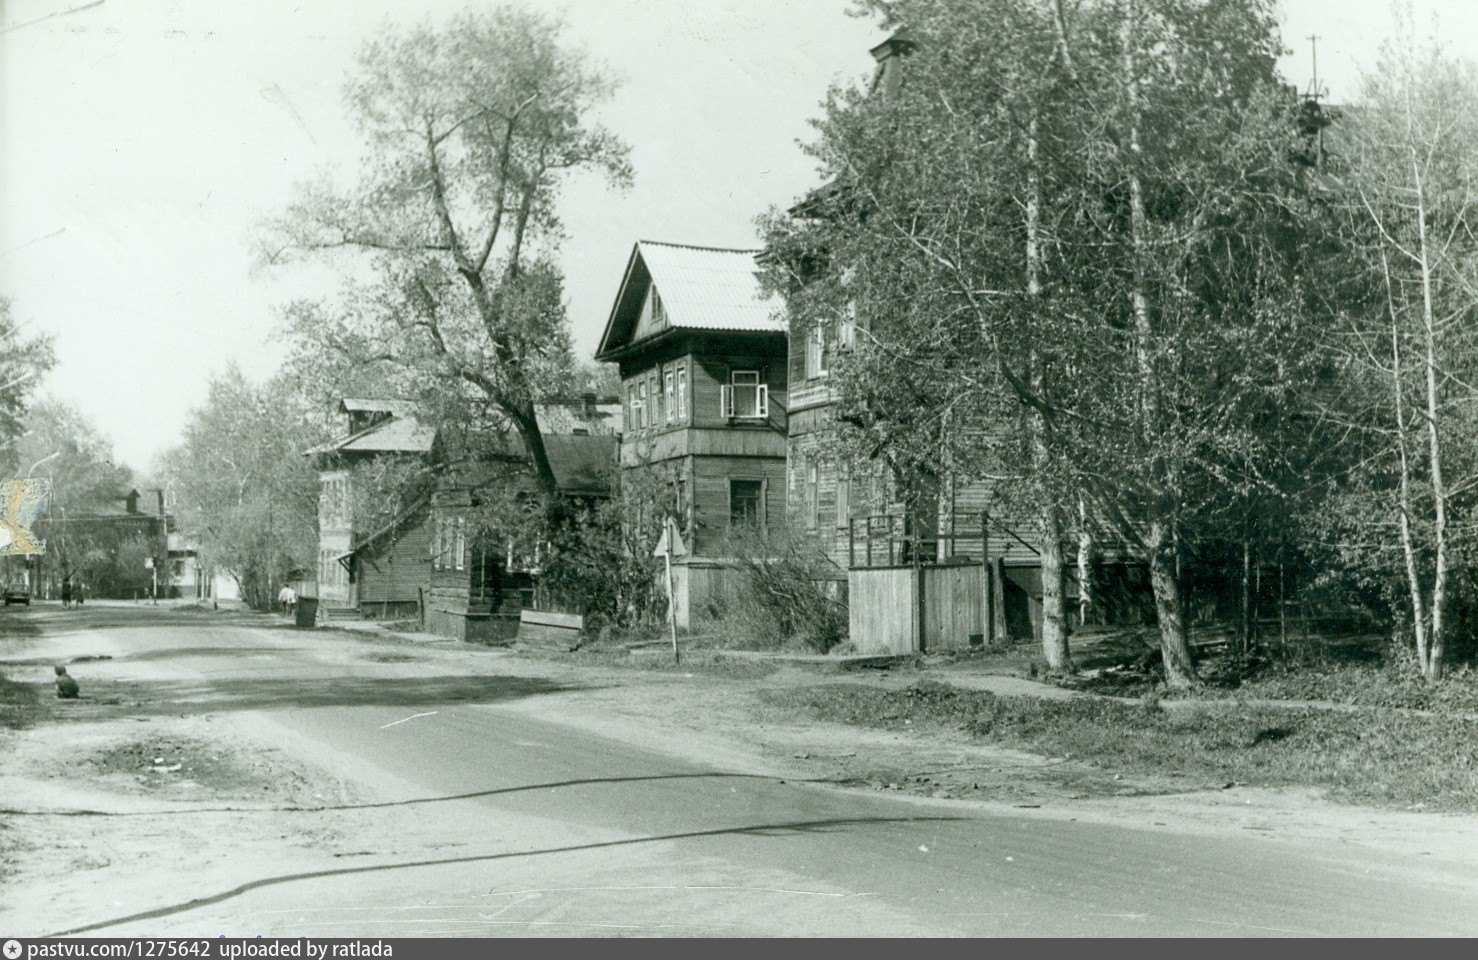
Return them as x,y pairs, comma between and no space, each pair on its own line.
665,548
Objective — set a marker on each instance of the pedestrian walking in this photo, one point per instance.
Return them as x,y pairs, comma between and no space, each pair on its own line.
288,597
66,591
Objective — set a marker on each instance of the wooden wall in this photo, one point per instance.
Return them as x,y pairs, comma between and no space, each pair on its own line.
397,568
710,491
953,607
882,610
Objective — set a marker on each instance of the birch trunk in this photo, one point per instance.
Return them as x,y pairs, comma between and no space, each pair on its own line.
1432,662
1086,546
1403,494
1054,620
1180,669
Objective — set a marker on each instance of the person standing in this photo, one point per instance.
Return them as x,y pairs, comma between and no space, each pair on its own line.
288,597
66,591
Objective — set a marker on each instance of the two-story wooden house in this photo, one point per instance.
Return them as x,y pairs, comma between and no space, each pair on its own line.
702,357
375,568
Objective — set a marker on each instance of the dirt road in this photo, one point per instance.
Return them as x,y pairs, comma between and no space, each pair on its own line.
235,777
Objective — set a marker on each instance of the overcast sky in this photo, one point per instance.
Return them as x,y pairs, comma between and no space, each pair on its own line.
141,141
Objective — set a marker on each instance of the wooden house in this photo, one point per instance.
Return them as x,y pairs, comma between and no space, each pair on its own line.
702,359
367,567
481,579
881,525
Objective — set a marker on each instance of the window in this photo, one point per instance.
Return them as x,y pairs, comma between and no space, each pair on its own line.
745,397
682,392
813,497
643,407
681,495
657,412
816,359
633,421
746,503
668,396
844,499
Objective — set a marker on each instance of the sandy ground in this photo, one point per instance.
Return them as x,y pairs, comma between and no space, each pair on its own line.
138,799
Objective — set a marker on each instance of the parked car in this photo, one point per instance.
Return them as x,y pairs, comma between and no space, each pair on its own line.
17,593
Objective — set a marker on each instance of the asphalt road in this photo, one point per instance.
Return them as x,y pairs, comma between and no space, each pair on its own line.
492,821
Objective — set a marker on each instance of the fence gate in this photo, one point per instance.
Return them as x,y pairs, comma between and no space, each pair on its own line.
902,598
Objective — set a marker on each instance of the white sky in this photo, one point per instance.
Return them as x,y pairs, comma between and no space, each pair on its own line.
141,141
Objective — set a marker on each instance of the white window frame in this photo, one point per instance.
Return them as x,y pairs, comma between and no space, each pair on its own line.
816,359
682,391
669,393
729,396
643,412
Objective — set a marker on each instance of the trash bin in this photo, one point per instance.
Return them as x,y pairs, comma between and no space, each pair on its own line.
306,613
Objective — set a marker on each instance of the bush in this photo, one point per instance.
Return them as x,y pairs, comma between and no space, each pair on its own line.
787,591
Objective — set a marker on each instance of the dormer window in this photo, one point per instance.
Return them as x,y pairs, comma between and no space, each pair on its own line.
744,397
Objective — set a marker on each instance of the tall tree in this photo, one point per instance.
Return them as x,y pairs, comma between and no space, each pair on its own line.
240,482
470,130
1411,331
1086,213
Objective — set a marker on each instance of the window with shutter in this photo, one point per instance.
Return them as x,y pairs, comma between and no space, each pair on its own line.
844,499
668,394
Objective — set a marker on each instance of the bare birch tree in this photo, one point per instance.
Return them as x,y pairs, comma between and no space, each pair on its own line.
1413,161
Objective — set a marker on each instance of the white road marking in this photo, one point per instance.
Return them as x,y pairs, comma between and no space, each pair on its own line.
411,717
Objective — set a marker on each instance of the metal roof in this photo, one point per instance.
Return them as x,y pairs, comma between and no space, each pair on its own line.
702,288
710,288
400,435
399,408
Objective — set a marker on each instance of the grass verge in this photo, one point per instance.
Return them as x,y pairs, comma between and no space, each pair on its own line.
1377,756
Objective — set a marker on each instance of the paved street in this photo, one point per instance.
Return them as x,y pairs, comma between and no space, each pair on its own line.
454,800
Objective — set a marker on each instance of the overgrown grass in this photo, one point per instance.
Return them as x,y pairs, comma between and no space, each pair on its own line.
1370,685
1378,756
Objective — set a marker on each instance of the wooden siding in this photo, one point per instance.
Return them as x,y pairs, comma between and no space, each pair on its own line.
882,610
397,569
953,606
710,490
680,443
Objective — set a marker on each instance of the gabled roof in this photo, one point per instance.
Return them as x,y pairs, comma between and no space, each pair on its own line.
402,434
702,288
398,408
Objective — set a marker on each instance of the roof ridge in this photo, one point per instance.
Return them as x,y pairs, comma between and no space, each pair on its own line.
695,246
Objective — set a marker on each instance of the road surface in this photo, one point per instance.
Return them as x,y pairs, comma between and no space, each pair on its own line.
473,810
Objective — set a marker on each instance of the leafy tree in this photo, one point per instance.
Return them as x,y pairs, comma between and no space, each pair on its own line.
1071,233
241,483
23,362
85,479
470,130
1409,336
